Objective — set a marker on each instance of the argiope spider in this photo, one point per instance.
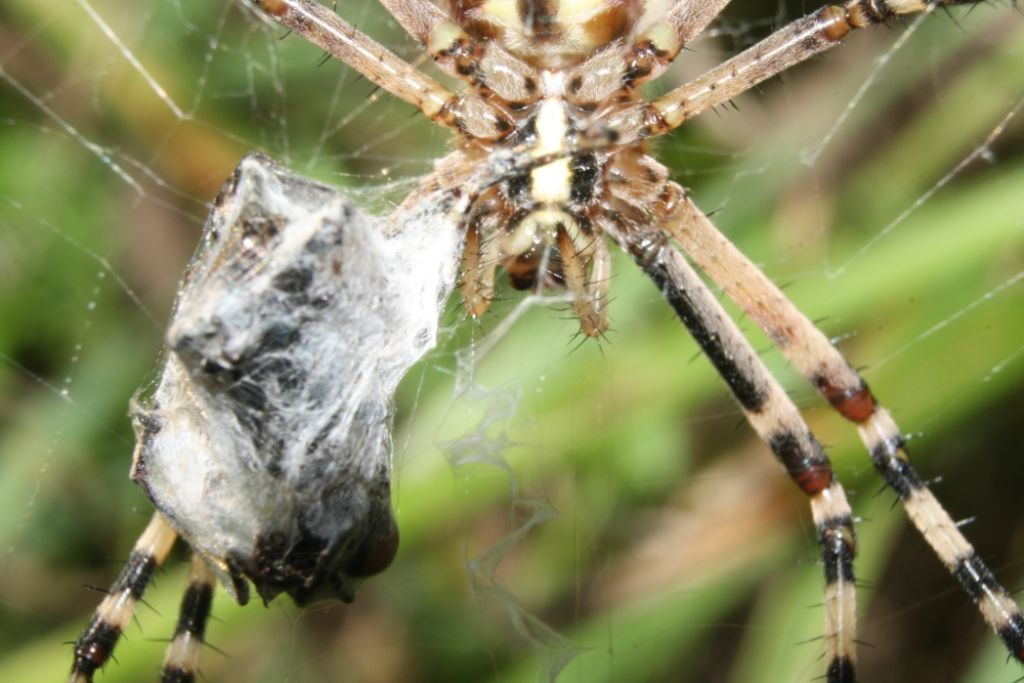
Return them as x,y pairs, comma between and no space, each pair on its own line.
552,112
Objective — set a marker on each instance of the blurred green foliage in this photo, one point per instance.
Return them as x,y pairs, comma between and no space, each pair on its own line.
602,505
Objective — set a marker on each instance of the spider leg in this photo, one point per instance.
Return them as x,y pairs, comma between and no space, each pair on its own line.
380,66
480,256
790,45
577,252
813,355
181,662
96,644
777,421
446,39
600,278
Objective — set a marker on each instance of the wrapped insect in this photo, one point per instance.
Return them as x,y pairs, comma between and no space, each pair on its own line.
265,441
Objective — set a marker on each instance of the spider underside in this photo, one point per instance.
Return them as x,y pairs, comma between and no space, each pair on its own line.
553,113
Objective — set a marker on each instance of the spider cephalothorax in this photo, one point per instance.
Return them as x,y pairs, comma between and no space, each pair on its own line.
557,82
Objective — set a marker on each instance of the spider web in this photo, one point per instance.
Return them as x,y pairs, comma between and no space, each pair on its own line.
594,510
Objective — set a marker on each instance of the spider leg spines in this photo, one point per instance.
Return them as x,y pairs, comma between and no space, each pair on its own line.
96,644
479,260
778,422
593,320
794,43
181,662
600,277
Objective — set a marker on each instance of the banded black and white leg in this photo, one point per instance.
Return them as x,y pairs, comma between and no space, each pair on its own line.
96,644
814,356
181,662
777,421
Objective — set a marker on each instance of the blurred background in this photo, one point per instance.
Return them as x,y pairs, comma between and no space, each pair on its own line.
598,511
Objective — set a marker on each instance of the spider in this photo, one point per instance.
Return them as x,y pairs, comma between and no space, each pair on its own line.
552,110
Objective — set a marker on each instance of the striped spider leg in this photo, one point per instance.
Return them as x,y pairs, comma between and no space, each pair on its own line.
775,418
181,662
96,644
814,356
